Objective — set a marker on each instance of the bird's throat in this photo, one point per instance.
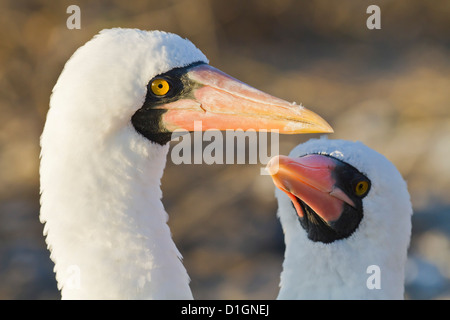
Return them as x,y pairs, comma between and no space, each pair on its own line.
106,226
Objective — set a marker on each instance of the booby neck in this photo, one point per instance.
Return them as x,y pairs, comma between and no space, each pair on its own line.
119,219
369,261
105,224
112,113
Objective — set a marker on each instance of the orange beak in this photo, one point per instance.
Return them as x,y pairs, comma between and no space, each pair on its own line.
222,102
310,178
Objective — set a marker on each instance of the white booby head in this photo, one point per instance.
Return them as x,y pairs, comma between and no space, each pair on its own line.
346,215
104,145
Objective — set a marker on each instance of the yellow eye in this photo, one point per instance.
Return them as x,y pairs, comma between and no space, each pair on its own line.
361,188
160,87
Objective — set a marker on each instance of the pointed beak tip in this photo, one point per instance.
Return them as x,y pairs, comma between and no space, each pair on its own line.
273,165
324,126
329,129
314,123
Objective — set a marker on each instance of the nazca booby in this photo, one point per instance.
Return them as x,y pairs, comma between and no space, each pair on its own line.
103,152
346,215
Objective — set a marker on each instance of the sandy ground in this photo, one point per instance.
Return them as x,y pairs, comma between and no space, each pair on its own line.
387,88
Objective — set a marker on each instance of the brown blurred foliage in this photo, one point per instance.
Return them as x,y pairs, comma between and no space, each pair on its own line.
388,88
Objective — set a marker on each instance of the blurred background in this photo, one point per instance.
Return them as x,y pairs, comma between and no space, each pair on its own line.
389,88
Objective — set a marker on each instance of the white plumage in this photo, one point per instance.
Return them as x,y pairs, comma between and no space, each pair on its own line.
104,150
339,270
99,178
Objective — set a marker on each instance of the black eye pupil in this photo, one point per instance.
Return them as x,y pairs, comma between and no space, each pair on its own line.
160,86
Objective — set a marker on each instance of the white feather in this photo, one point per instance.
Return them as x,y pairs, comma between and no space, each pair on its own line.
100,179
338,270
